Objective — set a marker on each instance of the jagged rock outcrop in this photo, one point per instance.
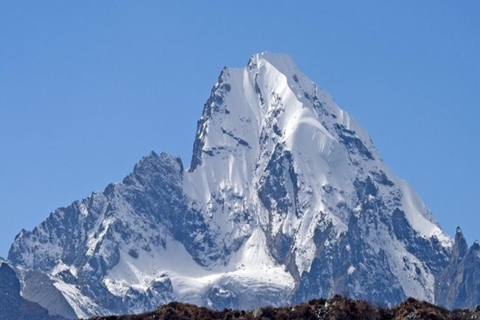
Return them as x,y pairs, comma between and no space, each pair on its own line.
459,284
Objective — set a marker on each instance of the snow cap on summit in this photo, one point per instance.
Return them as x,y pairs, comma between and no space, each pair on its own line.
280,61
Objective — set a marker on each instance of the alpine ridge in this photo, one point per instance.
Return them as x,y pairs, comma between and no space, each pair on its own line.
286,200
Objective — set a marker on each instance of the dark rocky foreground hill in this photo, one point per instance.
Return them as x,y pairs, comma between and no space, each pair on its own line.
338,308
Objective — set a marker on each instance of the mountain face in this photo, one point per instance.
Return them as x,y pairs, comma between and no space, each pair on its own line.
12,305
286,199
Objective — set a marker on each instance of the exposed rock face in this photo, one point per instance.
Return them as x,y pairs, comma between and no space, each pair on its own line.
78,245
286,200
12,305
459,284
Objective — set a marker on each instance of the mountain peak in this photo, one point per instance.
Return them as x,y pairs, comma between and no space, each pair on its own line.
460,246
271,105
476,245
281,61
459,235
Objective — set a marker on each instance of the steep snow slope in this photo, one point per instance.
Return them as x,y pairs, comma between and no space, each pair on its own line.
286,199
276,149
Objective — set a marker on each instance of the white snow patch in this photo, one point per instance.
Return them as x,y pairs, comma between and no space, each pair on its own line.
351,270
83,306
251,267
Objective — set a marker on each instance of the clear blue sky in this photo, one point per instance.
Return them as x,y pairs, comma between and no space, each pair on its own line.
89,87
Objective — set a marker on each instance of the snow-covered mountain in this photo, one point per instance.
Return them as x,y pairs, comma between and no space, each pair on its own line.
286,199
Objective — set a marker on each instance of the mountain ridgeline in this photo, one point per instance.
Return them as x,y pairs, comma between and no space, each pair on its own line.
286,200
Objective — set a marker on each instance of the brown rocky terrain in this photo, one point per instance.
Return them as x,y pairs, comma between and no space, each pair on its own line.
337,308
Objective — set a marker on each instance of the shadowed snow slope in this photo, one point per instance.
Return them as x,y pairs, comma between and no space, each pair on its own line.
286,199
